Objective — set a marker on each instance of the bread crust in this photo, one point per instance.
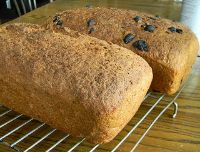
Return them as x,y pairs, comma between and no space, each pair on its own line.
170,54
82,86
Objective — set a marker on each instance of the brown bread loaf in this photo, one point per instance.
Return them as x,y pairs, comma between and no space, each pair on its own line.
169,47
82,86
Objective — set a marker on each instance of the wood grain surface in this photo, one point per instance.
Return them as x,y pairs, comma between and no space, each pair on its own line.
167,135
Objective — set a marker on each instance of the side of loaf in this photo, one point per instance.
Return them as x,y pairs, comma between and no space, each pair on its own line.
169,47
82,86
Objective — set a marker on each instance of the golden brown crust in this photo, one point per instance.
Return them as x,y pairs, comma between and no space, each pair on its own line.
170,54
83,86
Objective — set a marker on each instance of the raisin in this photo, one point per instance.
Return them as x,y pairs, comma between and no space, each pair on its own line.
56,18
141,45
149,28
59,22
172,29
128,38
179,31
91,22
91,30
137,18
157,16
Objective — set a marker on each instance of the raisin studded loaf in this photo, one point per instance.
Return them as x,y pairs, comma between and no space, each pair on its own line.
169,47
80,85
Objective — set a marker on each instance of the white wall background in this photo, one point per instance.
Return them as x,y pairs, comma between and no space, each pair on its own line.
191,16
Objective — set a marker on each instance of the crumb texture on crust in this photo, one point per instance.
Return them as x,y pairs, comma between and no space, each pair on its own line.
173,52
80,85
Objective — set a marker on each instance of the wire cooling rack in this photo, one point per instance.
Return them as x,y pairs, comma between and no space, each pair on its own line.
22,133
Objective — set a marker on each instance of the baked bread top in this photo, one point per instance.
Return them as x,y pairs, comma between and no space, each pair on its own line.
165,41
169,47
97,74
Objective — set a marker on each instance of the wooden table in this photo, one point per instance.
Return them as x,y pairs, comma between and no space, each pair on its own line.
166,8
168,134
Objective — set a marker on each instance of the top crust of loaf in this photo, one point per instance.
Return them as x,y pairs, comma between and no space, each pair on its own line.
171,53
92,70
113,24
80,85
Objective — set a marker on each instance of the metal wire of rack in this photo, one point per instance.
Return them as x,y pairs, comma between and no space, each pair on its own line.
14,144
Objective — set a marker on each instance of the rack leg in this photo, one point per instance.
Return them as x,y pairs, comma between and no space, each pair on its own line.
175,104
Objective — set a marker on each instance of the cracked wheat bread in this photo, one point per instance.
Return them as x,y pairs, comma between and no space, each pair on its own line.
169,47
80,85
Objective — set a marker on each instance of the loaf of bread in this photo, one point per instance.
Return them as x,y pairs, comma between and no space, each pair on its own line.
169,47
82,86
